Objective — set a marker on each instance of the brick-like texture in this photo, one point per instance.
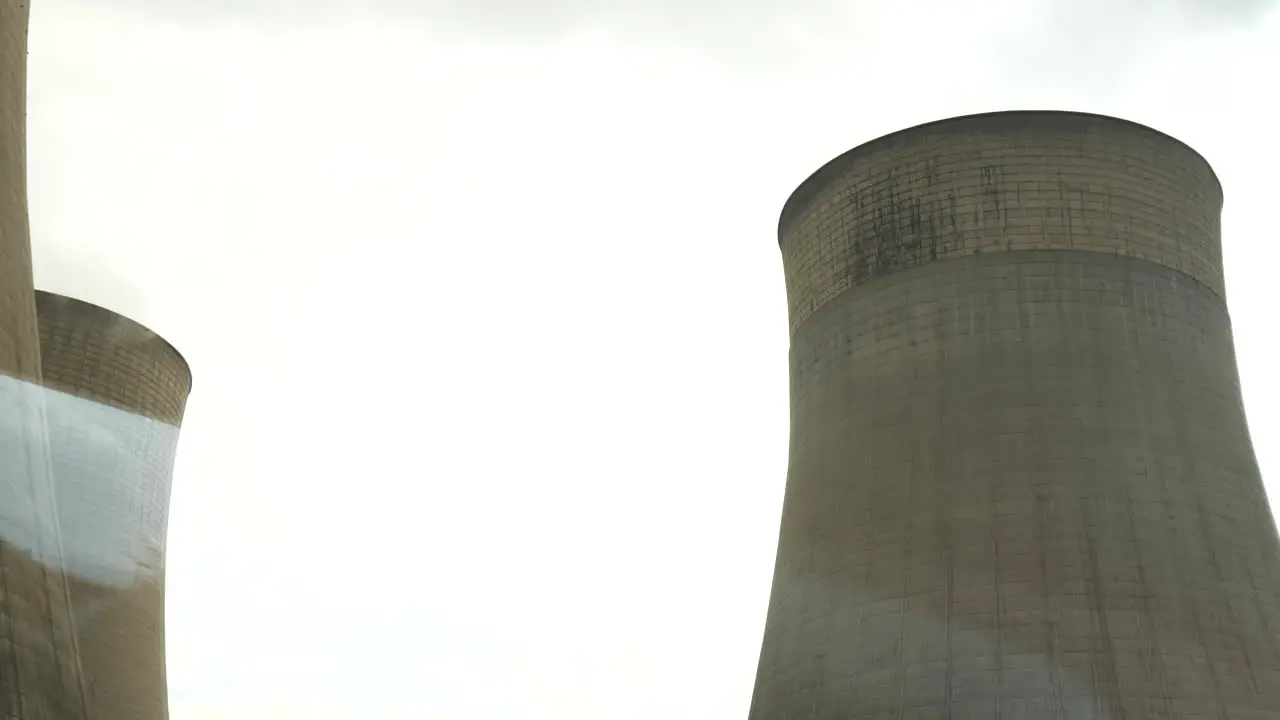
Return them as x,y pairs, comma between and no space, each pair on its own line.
1000,182
99,355
117,392
1020,483
39,675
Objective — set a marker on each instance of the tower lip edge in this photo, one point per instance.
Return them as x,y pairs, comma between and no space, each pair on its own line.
803,193
98,308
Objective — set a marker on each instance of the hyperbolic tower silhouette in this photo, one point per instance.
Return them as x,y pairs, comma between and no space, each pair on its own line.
115,397
1020,481
90,404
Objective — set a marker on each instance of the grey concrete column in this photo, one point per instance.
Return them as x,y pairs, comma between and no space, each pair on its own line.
1021,483
115,401
39,666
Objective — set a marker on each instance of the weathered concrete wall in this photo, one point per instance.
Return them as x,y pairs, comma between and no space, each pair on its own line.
117,395
1000,182
39,676
99,355
19,354
1021,484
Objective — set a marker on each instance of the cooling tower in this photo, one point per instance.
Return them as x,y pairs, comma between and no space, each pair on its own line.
1020,480
39,676
116,396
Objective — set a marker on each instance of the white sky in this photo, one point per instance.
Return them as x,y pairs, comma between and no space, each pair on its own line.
486,310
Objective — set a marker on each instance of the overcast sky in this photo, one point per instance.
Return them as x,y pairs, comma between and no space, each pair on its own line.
486,310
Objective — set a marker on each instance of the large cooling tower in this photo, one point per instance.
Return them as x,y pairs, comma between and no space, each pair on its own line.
1020,484
116,396
39,675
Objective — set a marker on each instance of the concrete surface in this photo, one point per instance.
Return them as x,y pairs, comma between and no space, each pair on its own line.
39,674
1021,483
116,396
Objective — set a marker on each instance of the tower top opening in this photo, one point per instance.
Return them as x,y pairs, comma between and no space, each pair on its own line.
1003,121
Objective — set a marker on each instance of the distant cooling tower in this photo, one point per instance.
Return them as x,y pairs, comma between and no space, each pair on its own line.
1020,484
39,673
116,397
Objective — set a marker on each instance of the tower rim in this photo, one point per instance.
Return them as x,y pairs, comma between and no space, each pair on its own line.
186,366
805,192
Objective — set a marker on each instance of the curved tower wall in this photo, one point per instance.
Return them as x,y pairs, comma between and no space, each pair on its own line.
19,353
39,675
1020,480
116,397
